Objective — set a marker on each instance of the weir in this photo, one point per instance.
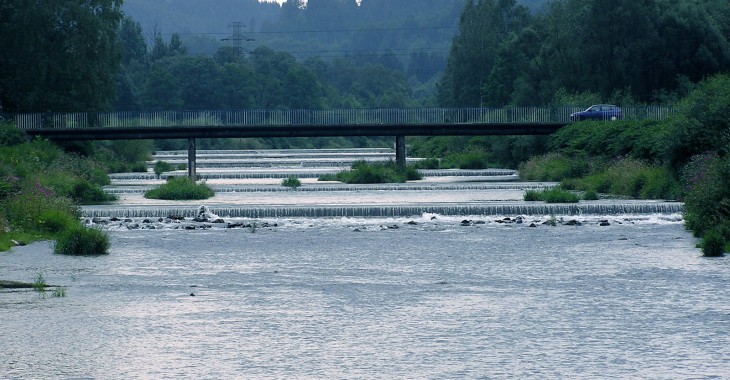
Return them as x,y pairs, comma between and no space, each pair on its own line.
511,209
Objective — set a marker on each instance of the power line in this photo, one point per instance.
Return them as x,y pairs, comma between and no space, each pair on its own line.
317,31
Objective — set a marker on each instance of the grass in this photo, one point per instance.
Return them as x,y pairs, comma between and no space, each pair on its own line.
180,188
292,182
364,172
80,240
39,283
554,195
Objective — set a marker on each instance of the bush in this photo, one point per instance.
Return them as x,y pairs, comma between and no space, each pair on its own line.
428,163
292,182
31,208
715,240
590,195
80,240
11,135
472,160
553,167
707,194
181,188
162,166
555,195
629,177
364,172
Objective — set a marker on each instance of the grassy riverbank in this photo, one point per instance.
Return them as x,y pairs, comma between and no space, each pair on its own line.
684,158
41,186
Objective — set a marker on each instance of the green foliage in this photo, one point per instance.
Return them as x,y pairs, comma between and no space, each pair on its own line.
366,172
707,194
638,139
580,52
39,283
629,177
554,195
715,241
428,163
291,181
553,167
590,195
162,166
80,240
10,134
37,208
59,292
45,62
471,160
181,188
703,124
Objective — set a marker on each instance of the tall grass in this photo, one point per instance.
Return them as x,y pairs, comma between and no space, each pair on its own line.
632,178
80,240
181,188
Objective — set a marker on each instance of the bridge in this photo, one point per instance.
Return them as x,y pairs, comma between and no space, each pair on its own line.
398,123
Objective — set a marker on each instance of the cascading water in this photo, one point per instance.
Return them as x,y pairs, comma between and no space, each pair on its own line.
251,189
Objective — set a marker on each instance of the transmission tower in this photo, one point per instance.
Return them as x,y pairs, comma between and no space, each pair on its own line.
237,38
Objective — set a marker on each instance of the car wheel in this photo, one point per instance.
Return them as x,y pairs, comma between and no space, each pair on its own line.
614,118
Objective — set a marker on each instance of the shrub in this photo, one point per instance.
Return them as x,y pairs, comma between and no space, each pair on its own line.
181,188
553,167
629,177
428,163
162,166
707,195
590,195
11,135
555,195
292,182
533,196
715,240
86,192
364,172
471,160
80,240
328,177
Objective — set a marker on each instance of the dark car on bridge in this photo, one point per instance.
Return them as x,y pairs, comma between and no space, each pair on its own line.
598,112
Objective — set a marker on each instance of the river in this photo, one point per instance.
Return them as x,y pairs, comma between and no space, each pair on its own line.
429,295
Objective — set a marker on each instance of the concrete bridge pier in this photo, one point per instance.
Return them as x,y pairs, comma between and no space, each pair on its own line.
400,151
192,160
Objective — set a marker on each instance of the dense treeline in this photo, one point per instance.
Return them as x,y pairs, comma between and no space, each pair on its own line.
58,55
644,51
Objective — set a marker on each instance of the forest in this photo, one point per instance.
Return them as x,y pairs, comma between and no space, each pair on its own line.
71,56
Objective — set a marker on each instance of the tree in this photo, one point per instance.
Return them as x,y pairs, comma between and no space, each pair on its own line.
482,28
59,55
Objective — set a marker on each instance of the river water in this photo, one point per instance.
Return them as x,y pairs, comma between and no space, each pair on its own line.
428,295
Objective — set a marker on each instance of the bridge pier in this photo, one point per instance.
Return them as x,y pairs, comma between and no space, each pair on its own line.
192,160
400,151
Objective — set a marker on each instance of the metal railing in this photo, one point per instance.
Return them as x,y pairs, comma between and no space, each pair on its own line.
341,117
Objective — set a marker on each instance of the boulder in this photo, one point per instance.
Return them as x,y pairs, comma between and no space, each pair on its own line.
204,215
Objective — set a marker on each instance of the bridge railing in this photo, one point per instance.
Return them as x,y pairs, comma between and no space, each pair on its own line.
341,117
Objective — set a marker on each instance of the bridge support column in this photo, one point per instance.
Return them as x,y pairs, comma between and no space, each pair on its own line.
400,151
192,160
